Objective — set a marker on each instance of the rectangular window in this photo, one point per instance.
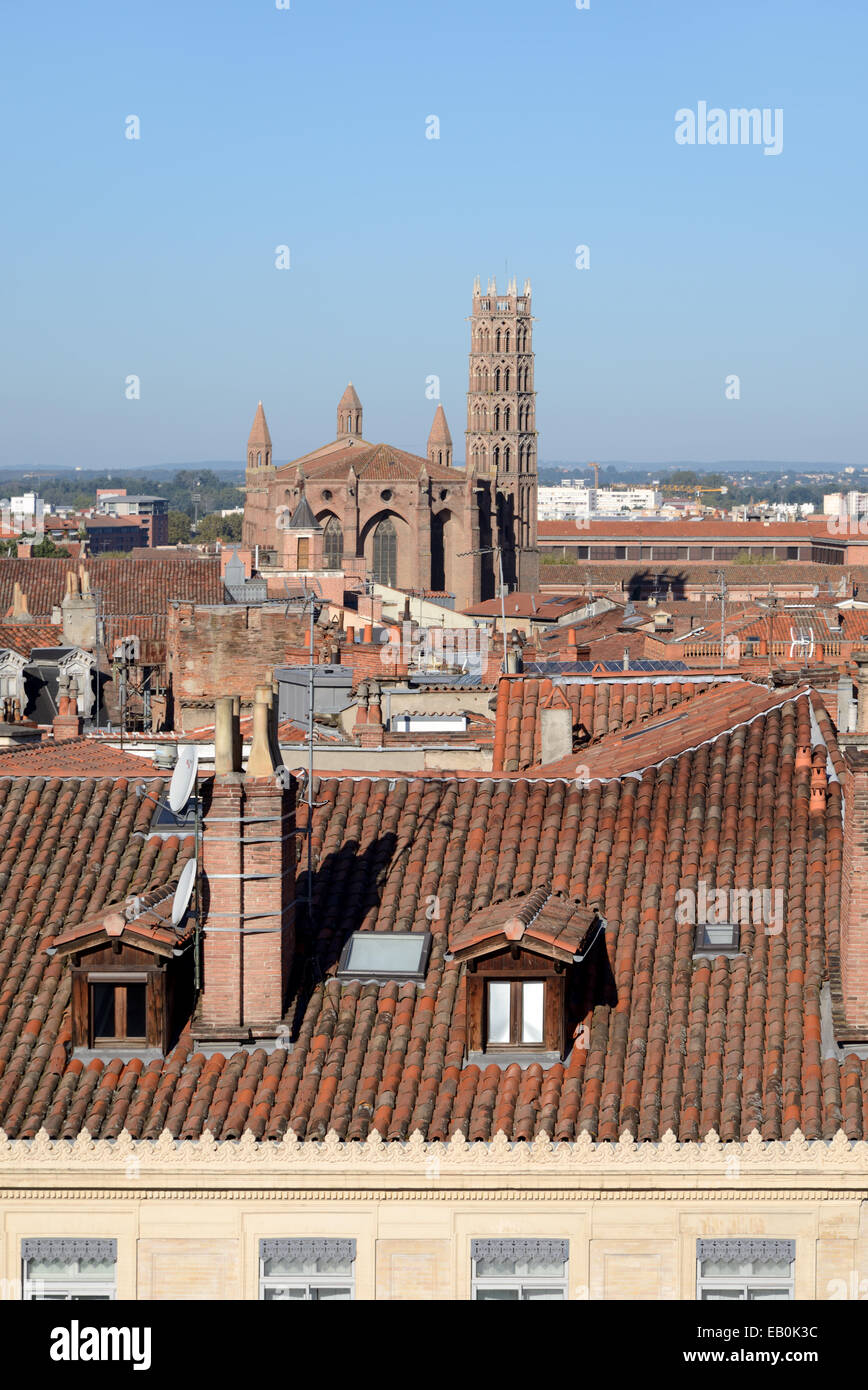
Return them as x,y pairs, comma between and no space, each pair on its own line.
307,1268
118,1012
516,1013
745,1269
69,1271
515,1270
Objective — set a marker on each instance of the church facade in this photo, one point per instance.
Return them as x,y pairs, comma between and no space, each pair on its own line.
374,511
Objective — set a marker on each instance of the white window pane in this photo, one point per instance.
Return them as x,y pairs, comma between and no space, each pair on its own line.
330,1295
533,1295
287,1292
497,1295
712,1295
776,1295
533,995
498,1011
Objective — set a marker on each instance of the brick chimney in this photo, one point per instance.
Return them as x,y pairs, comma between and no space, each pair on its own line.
67,722
248,863
556,728
78,611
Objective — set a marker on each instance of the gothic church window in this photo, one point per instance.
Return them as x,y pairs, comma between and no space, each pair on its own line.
385,560
333,544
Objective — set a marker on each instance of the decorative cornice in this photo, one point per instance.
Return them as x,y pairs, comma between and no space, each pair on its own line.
335,1249
68,1248
583,1162
761,1249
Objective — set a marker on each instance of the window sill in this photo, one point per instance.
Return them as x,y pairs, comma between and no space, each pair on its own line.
509,1056
108,1053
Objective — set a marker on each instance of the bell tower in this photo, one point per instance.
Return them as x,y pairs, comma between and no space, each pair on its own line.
501,433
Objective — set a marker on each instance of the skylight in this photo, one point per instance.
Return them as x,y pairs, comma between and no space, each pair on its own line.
372,955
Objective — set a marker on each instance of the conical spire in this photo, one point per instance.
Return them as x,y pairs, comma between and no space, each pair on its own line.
259,442
350,413
259,436
440,440
303,518
439,428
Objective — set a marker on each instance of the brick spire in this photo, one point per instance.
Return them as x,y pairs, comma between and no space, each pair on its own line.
350,413
259,442
440,440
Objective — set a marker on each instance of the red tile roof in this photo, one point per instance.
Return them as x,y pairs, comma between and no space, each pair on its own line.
24,637
371,462
76,757
599,708
671,732
133,585
723,529
551,925
667,1042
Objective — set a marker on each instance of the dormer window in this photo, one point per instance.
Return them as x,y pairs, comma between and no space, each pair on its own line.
520,954
131,970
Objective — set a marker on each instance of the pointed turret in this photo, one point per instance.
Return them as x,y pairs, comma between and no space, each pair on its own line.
350,413
259,442
303,518
440,440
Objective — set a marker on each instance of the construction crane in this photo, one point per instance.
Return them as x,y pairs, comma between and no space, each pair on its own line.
673,487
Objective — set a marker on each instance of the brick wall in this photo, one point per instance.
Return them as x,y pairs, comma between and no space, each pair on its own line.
212,650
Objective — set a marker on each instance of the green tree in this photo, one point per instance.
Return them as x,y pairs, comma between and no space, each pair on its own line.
179,528
46,547
219,528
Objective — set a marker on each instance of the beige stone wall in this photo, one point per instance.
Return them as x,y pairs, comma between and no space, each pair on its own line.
188,1217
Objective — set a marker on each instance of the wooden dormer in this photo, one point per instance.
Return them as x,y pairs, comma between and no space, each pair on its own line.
518,954
131,974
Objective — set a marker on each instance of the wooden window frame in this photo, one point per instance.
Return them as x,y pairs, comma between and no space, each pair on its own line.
157,1007
523,970
121,1035
516,1015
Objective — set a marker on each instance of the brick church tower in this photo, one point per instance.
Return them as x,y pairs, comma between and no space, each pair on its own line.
501,433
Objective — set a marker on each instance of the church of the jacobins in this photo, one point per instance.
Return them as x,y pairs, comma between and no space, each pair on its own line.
418,523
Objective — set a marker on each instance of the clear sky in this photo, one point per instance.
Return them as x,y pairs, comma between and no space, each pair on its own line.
306,127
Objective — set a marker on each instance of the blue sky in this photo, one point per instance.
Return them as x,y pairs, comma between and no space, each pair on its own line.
306,127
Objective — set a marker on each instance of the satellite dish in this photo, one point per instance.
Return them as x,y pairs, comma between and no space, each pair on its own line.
184,776
183,891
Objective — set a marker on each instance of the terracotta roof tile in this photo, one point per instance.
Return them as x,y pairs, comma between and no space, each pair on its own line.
137,585
668,1041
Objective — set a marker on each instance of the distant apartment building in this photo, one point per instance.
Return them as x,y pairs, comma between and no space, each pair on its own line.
108,533
22,514
573,499
845,504
150,513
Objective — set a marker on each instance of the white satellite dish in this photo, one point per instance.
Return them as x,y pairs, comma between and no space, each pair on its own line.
183,891
184,776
